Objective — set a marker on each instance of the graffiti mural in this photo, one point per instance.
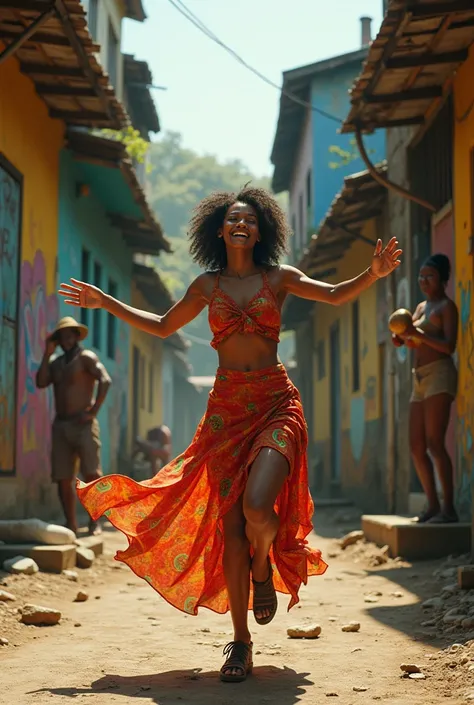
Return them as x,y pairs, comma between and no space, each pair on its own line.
39,314
10,225
465,403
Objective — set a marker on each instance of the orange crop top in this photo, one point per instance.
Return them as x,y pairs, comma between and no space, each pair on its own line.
261,315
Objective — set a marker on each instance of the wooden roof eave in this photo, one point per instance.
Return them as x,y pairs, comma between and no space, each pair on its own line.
53,46
411,64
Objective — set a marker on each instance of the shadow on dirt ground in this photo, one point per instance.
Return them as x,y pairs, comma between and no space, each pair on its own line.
268,684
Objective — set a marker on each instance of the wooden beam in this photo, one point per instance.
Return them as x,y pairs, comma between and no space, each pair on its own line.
79,116
52,70
45,89
33,5
19,38
439,9
38,37
411,62
425,93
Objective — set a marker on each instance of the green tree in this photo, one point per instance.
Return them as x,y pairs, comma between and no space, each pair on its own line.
179,178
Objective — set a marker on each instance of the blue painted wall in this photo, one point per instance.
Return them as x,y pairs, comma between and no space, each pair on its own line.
83,223
330,92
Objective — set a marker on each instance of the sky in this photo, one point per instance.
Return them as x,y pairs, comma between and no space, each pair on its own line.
218,105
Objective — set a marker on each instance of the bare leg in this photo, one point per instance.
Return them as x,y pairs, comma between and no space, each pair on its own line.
236,562
266,478
423,464
67,497
94,528
437,410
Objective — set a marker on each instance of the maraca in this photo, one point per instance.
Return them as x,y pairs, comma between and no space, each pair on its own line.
399,321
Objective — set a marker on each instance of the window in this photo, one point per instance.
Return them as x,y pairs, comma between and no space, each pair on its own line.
111,324
112,54
92,10
309,200
85,276
355,348
151,387
320,351
97,313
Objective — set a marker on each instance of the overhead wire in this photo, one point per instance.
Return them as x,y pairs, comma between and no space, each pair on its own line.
180,6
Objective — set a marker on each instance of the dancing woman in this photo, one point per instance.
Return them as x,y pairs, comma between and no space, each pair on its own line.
236,503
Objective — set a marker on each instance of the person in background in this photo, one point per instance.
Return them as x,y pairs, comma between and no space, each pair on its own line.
156,448
75,433
433,338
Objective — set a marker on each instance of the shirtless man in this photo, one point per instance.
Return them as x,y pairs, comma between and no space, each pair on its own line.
75,428
156,448
433,337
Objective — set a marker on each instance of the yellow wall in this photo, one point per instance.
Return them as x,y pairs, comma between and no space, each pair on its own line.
355,261
464,229
152,350
31,141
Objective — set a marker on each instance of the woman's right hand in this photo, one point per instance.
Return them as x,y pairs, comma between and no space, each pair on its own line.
82,294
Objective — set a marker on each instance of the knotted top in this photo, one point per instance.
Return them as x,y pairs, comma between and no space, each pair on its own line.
261,315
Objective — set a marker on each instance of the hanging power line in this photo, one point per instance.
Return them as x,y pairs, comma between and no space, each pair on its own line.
194,19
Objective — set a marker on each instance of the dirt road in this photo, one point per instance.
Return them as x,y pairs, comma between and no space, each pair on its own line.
132,648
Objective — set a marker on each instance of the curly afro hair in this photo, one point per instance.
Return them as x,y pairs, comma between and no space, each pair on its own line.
209,251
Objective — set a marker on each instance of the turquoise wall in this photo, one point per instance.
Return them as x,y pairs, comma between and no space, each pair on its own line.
84,224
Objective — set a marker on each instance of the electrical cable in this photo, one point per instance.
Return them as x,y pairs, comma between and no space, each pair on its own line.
194,19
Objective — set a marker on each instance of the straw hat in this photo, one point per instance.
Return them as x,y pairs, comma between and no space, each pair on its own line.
70,322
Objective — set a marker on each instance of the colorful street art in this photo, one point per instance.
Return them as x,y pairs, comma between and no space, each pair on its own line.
465,403
39,314
10,220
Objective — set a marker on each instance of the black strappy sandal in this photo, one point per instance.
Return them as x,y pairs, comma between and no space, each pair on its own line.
265,597
239,658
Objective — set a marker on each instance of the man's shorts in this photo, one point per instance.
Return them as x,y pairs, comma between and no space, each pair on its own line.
73,441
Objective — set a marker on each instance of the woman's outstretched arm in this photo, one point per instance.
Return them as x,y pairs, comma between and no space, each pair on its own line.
384,262
185,310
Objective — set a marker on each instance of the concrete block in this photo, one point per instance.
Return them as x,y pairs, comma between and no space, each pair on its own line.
466,577
94,543
416,541
50,559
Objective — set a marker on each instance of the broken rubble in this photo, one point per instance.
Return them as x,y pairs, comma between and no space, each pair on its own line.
311,632
39,616
84,557
20,564
70,575
351,538
432,603
6,596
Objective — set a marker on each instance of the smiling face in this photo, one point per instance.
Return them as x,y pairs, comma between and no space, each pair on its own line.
240,227
430,281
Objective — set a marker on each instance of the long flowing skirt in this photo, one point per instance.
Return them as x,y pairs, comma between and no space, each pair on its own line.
173,521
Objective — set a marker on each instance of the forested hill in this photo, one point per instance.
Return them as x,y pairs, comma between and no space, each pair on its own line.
178,179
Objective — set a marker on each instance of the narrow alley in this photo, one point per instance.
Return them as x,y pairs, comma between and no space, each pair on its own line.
126,645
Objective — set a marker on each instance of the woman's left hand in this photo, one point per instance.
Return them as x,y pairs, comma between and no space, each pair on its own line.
385,259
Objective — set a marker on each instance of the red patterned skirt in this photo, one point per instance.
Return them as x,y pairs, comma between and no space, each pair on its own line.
173,522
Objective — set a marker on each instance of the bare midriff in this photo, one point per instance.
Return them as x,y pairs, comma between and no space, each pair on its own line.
247,352
73,387
425,354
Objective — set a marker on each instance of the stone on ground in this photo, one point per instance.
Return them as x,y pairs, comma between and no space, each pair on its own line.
410,668
70,575
39,616
20,564
311,632
81,596
351,627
